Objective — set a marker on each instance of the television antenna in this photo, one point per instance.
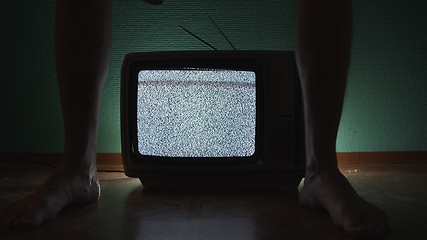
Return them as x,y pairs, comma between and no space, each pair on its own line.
197,37
203,41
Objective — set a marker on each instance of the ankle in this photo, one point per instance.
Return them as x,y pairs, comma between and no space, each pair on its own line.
323,168
84,165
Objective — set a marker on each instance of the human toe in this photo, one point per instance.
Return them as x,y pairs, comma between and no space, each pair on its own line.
28,221
11,215
356,228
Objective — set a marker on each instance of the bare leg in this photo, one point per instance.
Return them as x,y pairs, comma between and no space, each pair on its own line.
323,40
83,39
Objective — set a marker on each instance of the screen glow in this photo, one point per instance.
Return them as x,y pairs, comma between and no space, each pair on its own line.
196,113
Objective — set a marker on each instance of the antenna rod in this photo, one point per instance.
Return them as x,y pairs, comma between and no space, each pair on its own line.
219,29
198,38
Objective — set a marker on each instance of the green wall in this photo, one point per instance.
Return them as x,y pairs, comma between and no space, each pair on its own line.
386,102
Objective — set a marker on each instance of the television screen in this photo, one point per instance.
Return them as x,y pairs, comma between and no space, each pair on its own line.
196,113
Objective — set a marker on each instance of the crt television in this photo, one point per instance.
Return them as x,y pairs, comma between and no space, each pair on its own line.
203,119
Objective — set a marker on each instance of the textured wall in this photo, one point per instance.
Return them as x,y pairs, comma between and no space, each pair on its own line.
385,108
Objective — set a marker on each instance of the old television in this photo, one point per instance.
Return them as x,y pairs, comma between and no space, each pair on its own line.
212,119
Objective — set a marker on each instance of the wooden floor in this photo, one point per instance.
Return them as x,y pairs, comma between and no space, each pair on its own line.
127,211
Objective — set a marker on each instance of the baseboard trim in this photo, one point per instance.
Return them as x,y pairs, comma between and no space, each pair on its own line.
113,161
104,161
416,157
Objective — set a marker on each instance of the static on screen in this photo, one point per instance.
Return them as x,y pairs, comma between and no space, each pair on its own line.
196,113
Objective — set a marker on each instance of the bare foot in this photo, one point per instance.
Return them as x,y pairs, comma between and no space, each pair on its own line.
347,209
62,188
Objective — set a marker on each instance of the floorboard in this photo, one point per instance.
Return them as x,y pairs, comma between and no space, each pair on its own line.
128,211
